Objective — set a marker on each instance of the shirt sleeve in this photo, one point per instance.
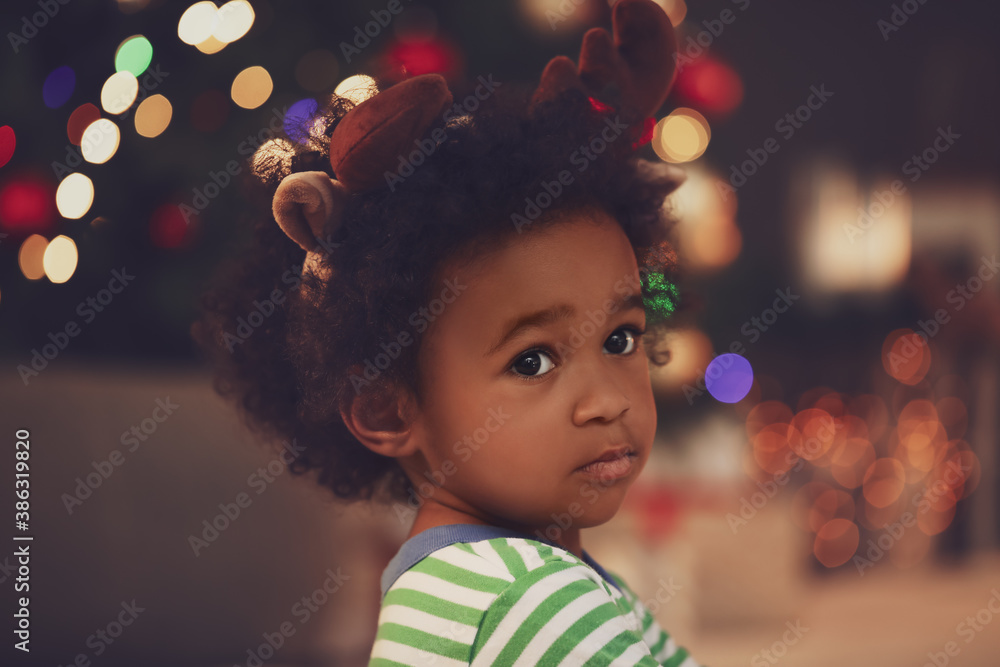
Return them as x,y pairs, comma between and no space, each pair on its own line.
562,613
661,645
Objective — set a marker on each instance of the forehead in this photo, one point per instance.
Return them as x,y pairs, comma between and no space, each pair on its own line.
582,260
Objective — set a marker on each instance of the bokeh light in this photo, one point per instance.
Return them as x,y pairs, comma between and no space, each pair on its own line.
300,118
836,542
119,92
884,481
30,255
79,120
767,413
906,356
134,55
818,432
198,22
707,235
58,86
710,84
210,46
27,203
317,70
675,10
153,116
357,88
100,141
873,410
416,58
549,17
774,447
235,18
252,87
8,142
168,228
728,378
681,136
74,196
690,352
60,259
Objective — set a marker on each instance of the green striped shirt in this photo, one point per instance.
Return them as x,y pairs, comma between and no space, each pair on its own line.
479,595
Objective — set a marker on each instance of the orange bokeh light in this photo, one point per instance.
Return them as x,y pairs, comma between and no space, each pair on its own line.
906,356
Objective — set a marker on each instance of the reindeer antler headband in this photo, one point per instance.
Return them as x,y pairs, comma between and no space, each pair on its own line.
631,71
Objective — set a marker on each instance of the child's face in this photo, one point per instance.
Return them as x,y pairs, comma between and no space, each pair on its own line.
505,430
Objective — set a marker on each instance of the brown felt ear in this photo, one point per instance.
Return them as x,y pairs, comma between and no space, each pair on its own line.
306,203
372,137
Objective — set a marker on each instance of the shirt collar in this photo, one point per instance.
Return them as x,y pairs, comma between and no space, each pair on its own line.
425,543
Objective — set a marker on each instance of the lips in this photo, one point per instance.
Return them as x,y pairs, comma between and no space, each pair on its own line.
612,464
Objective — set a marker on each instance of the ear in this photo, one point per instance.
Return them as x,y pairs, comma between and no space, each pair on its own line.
381,417
307,202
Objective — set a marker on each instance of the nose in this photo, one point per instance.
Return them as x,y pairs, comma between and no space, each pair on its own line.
601,396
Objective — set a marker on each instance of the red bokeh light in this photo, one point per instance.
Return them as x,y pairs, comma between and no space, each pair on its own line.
710,85
27,204
168,228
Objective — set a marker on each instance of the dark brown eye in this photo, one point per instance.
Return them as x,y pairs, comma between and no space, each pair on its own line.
621,341
532,364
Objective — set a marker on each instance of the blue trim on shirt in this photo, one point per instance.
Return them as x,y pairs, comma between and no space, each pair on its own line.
427,542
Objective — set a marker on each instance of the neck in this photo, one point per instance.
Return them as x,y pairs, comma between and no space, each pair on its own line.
433,513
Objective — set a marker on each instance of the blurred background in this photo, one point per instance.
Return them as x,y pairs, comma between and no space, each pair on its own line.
823,487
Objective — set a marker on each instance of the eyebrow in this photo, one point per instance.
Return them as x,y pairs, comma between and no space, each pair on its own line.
546,316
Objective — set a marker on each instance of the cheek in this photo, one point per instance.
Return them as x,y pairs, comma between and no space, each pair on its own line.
643,400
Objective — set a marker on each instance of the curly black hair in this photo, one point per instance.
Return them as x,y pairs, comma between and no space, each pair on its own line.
291,368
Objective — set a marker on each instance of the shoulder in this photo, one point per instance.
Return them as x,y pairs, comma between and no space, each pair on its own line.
489,567
441,605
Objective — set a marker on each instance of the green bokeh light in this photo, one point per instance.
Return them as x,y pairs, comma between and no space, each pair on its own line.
134,55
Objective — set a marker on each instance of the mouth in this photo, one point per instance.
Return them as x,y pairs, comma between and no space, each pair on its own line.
613,464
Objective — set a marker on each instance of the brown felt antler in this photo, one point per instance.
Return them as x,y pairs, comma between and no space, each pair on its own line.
364,146
632,71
